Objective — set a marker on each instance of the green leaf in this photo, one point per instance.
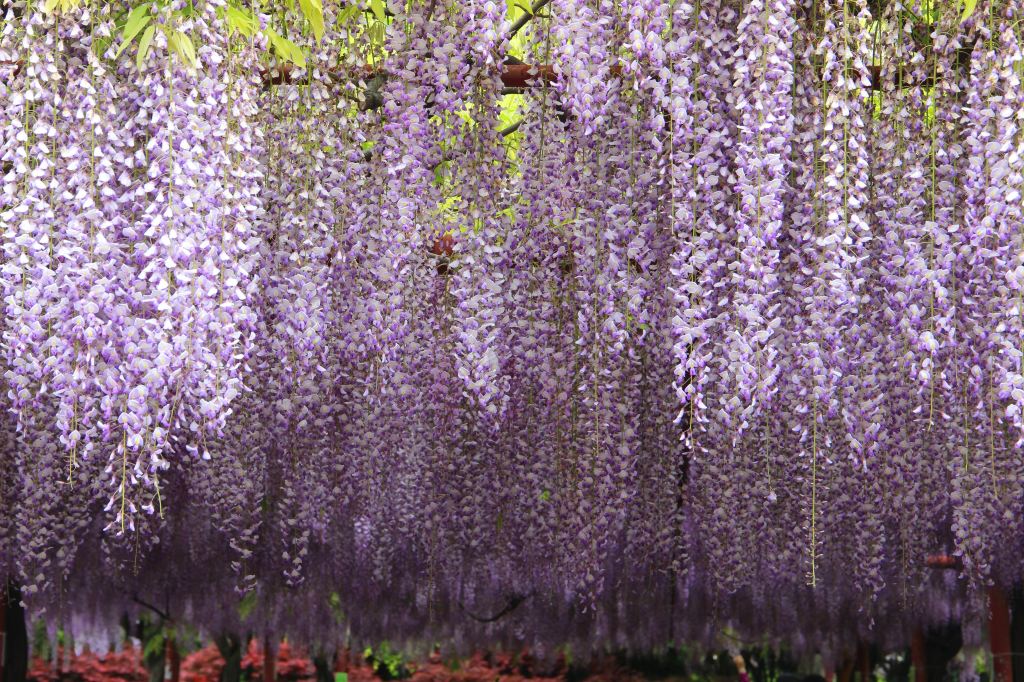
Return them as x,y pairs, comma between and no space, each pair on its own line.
340,677
969,7
127,41
182,44
144,42
286,49
136,21
246,606
350,12
242,21
314,12
50,5
378,9
154,646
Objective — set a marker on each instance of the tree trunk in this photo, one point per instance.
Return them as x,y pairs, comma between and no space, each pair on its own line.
324,670
230,647
15,640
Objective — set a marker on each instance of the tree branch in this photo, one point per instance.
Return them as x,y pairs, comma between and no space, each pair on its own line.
525,19
163,614
513,603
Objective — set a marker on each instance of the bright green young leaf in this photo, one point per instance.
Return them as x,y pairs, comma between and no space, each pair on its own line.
144,42
182,44
136,21
128,41
314,12
242,21
378,9
969,7
286,49
340,677
349,13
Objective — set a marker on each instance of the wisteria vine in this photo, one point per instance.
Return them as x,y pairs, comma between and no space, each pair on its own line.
718,317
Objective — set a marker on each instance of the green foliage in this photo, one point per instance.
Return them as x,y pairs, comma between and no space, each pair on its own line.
144,43
139,24
313,10
181,44
246,606
969,7
242,21
138,19
334,603
41,641
286,49
60,6
155,645
378,9
386,663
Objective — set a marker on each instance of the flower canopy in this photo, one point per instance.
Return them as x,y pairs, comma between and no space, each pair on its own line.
591,321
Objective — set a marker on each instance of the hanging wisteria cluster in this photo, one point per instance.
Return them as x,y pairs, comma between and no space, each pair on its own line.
720,319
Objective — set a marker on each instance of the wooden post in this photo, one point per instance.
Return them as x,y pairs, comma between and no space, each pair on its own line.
999,636
268,660
917,657
846,670
3,632
865,663
173,662
1017,629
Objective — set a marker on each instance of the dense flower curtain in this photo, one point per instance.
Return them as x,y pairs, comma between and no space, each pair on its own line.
316,320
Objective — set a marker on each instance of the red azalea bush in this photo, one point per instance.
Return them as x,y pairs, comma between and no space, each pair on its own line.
116,666
290,666
202,665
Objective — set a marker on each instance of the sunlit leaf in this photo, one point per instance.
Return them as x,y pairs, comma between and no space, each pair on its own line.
286,49
182,44
314,13
969,7
242,21
136,21
144,45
